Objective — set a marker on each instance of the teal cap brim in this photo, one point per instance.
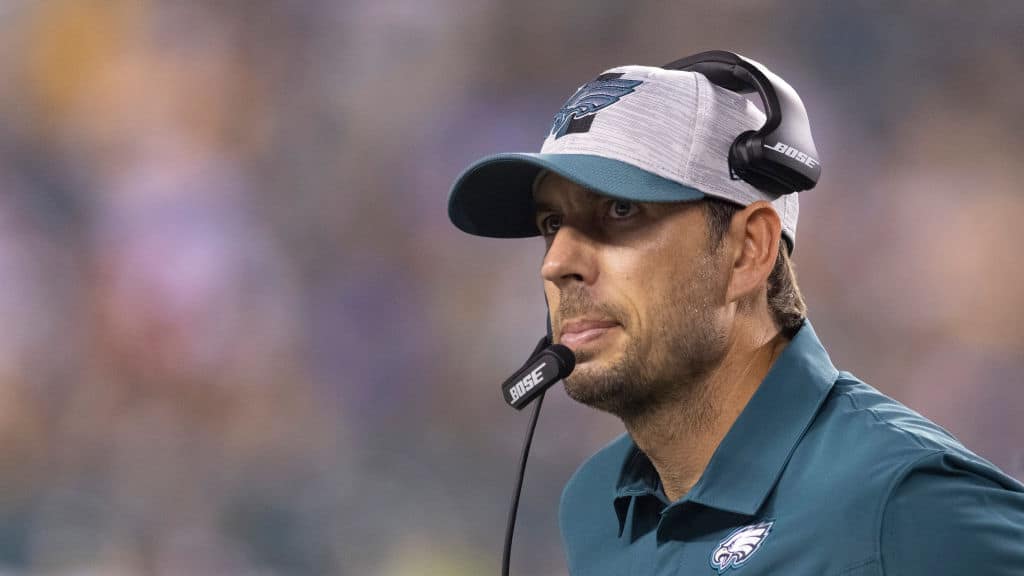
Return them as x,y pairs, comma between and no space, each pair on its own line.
494,196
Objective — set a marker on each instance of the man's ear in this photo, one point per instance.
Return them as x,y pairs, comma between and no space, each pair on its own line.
754,240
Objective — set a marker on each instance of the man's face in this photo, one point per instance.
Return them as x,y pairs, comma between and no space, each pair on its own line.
634,291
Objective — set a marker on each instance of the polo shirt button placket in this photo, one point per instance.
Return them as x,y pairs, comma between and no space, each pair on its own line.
672,551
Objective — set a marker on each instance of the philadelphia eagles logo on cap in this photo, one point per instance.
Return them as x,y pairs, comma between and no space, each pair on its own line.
739,546
578,112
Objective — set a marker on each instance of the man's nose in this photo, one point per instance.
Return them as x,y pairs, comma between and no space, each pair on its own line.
570,258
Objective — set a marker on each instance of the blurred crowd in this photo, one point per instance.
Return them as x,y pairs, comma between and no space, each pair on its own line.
241,337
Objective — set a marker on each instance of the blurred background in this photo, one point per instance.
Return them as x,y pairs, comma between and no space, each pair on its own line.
239,335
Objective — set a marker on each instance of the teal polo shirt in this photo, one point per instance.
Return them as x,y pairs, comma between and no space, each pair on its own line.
820,475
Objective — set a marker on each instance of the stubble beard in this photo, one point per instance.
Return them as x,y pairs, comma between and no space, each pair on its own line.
684,347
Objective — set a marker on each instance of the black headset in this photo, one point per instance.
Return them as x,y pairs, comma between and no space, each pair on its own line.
780,157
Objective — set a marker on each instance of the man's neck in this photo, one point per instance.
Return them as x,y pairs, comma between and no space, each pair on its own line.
680,435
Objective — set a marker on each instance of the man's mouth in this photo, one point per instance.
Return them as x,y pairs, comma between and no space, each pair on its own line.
579,333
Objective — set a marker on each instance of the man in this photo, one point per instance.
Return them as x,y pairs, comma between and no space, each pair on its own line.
746,449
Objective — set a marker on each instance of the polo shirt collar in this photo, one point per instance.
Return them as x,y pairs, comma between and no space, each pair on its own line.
748,462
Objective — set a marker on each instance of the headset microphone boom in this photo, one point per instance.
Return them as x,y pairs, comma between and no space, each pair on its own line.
548,364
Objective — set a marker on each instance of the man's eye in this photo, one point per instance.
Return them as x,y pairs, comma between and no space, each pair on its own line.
550,224
622,209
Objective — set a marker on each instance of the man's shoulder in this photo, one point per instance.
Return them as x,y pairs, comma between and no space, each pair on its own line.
912,498
943,509
865,425
866,437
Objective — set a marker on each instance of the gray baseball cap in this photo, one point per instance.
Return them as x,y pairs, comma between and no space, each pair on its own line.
637,133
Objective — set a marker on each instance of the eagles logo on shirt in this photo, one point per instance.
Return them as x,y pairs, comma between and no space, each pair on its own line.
739,546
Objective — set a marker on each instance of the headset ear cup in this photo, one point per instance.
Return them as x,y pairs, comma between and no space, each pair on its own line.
747,161
740,157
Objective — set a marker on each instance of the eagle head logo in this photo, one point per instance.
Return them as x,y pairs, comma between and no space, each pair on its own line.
739,546
577,112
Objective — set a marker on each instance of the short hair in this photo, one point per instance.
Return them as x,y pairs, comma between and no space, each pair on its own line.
785,302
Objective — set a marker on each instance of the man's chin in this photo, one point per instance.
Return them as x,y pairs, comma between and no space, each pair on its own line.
596,382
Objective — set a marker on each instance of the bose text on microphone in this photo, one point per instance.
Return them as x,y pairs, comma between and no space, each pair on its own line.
537,375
